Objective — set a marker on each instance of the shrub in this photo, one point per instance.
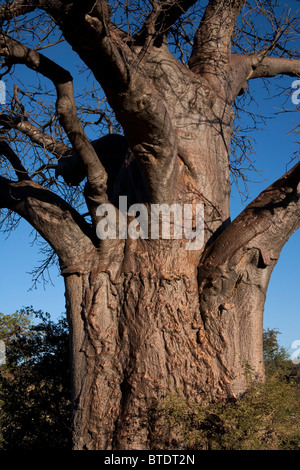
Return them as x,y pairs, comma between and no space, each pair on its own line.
266,417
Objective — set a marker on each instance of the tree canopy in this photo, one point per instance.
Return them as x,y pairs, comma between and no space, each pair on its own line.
35,383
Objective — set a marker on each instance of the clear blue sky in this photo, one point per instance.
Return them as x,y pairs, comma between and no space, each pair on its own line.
274,148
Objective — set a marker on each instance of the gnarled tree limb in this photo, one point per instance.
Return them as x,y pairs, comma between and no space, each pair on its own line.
212,43
131,93
268,221
66,109
250,66
57,222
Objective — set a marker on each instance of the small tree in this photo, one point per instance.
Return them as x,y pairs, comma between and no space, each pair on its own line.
35,383
276,357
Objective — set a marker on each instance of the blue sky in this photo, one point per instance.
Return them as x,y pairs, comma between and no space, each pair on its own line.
274,148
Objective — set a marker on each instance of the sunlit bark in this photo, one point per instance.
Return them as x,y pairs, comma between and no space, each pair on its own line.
150,317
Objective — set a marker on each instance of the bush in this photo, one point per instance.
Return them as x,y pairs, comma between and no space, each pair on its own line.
267,417
35,405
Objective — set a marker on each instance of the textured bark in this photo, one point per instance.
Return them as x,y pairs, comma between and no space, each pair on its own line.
138,337
149,317
149,320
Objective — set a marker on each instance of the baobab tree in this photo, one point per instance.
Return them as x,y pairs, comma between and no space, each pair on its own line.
147,316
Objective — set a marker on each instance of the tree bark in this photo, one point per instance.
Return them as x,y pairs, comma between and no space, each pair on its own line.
150,320
137,335
149,317
157,318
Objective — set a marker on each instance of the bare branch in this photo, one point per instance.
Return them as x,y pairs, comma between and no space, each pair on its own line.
272,66
14,160
35,134
250,66
164,14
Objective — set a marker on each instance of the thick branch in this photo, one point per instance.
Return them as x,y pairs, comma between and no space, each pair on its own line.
164,14
66,109
250,66
56,221
272,66
212,43
266,223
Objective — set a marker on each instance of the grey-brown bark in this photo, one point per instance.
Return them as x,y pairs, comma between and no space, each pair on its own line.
148,317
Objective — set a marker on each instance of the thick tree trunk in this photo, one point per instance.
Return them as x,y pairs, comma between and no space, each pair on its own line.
140,331
149,317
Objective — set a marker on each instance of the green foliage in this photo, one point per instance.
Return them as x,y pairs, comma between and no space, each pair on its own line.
35,409
276,358
17,324
266,417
